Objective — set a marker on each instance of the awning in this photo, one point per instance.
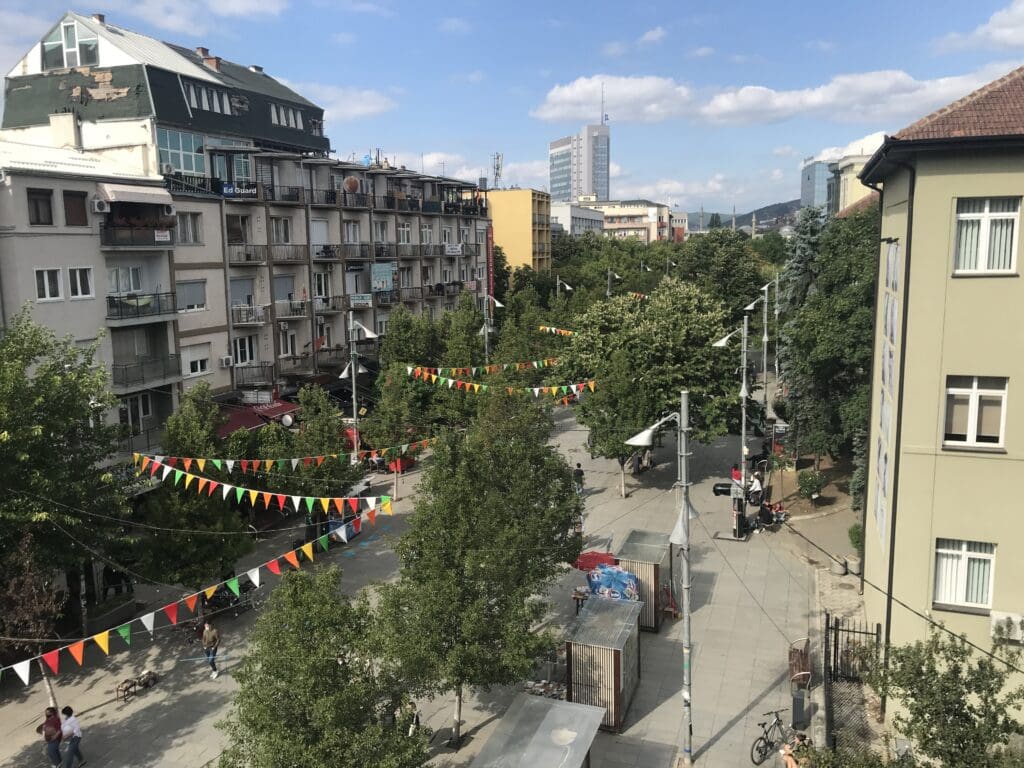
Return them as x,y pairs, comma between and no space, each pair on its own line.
251,417
590,559
124,193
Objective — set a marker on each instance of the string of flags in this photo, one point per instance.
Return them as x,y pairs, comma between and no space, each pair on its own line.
171,611
269,465
546,362
638,295
566,391
552,329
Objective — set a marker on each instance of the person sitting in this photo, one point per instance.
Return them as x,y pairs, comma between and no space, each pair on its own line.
755,489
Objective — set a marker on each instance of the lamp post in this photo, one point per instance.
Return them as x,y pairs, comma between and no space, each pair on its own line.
738,504
644,267
560,283
351,370
680,538
669,263
611,274
486,330
777,330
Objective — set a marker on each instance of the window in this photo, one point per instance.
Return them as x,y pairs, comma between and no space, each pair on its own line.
351,231
280,229
975,411
74,210
48,284
244,348
446,234
40,206
963,573
404,233
986,235
81,282
195,359
480,272
288,342
286,116
191,295
380,231
426,234
182,150
382,326
284,287
322,284
192,100
124,279
69,45
238,229
273,115
134,409
190,229
463,234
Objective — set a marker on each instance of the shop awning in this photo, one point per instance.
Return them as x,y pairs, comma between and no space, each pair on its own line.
128,193
251,417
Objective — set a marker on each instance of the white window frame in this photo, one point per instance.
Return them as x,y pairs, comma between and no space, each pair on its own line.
404,233
244,350
351,229
986,218
74,284
134,281
446,235
426,234
289,343
380,231
961,550
975,393
280,230
273,115
190,228
382,325
194,363
47,296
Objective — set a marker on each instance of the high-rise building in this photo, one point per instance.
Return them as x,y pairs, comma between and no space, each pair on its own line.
814,178
522,226
580,164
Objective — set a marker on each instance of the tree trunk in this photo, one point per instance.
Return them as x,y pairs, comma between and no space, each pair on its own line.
457,725
394,496
49,685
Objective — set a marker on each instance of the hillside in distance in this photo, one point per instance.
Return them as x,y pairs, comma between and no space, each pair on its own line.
764,214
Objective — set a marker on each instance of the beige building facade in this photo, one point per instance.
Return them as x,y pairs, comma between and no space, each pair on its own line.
522,226
645,220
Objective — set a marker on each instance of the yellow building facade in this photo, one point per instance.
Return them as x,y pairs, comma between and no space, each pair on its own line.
521,219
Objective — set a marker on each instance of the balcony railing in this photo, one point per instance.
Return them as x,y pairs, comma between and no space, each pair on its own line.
243,314
408,251
286,309
386,203
356,250
433,291
142,372
332,357
136,237
410,204
385,298
288,252
187,184
355,200
384,250
412,293
450,289
324,252
254,374
138,440
246,254
431,206
135,306
432,249
278,194
323,196
329,305
300,363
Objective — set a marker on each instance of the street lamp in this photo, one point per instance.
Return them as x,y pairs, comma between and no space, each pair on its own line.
680,538
560,283
669,263
737,507
644,267
764,337
352,369
487,327
611,274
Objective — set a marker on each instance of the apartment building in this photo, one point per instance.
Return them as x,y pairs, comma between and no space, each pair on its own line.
645,220
235,228
580,164
575,220
522,226
947,432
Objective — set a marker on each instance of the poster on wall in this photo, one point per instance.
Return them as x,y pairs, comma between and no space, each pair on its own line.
382,277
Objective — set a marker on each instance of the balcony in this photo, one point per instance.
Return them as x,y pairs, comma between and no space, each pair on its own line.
411,204
408,251
288,253
245,315
431,206
278,194
355,200
325,252
450,289
323,196
384,250
136,237
385,203
296,365
246,255
332,357
144,374
329,305
253,375
434,291
140,440
385,298
412,293
187,184
432,249
132,308
356,251
288,309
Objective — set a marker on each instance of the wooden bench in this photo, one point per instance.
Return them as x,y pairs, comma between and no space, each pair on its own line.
800,663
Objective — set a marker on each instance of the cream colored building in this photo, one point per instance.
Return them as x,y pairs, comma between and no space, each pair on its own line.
522,226
645,220
944,540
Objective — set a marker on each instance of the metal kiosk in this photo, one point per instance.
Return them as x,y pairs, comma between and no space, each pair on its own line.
647,555
536,732
602,658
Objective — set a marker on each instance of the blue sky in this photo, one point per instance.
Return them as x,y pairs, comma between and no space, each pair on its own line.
712,104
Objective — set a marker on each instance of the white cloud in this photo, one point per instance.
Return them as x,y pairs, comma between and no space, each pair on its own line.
675,191
868,96
343,103
823,46
246,7
616,171
365,6
1004,29
701,53
613,49
343,38
862,146
644,99
186,16
453,25
655,35
777,174
784,151
473,78
18,32
526,173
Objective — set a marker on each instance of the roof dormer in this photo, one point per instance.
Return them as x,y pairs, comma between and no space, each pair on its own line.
69,44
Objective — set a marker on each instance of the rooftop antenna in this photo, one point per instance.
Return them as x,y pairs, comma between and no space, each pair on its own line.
701,217
498,162
603,115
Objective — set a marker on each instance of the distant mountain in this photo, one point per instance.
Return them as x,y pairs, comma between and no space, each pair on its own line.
764,214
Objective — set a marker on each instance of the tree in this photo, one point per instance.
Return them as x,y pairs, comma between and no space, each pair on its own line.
715,222
725,266
502,274
463,346
309,691
771,248
480,548
401,412
410,340
798,274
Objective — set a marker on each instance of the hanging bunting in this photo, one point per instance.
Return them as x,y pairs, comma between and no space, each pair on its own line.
190,601
102,639
171,611
325,542
23,668
52,659
307,550
233,586
125,631
147,621
77,651
254,576
274,566
209,591
292,558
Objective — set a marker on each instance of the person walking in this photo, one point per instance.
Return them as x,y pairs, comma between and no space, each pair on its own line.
577,479
211,640
71,732
50,728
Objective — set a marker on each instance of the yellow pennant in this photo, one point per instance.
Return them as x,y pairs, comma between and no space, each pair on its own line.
209,591
325,503
307,550
202,464
252,497
135,458
188,479
103,641
386,507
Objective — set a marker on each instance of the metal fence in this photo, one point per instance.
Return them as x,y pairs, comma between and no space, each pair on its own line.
847,644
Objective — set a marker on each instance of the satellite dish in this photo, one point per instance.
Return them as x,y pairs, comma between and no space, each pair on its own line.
351,184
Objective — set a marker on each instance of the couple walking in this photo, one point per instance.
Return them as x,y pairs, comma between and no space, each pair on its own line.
55,732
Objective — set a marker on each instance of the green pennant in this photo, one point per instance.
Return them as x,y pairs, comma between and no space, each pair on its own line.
125,631
483,387
215,462
233,586
384,500
282,463
324,542
178,474
565,389
239,492
310,501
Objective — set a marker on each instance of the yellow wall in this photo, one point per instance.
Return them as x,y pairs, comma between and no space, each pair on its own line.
522,226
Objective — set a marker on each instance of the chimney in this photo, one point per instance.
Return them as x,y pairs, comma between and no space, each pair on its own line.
65,131
213,62
99,18
256,68
202,52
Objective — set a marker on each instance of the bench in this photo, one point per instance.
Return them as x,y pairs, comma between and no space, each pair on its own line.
800,663
130,687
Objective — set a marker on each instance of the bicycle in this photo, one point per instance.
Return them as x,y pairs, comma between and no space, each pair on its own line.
773,734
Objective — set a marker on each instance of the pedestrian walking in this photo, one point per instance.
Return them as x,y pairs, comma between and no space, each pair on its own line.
71,732
50,728
211,640
577,479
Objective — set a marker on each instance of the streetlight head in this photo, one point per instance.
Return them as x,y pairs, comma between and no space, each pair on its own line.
751,305
644,439
765,286
369,334
616,276
497,304
724,341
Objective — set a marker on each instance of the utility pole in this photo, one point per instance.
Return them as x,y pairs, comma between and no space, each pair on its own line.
741,502
353,365
777,329
487,330
681,538
764,352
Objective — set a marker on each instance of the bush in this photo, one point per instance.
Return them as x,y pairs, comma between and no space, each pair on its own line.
856,534
810,483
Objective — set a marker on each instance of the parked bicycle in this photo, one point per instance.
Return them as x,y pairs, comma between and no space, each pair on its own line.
774,735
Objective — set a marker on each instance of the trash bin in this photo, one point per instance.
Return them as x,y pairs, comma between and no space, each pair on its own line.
799,713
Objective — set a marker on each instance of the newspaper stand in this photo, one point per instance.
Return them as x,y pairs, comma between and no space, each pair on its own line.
646,554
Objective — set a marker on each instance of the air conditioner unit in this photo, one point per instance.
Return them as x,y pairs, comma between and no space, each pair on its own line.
282,325
169,209
227,361
1011,625
166,169
100,206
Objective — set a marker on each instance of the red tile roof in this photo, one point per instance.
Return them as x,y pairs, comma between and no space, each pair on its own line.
996,109
863,204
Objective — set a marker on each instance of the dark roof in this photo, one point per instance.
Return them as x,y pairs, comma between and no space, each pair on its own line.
996,109
863,204
96,93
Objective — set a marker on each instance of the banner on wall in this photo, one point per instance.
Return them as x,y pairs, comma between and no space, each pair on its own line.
382,277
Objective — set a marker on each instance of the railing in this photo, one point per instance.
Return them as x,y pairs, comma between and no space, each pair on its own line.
433,249
282,194
413,293
355,200
408,251
385,298
474,209
136,237
287,252
387,202
146,371
332,357
384,250
433,291
288,308
244,314
366,345
431,206
356,250
186,184
450,289
325,252
299,363
136,439
326,305
246,254
254,374
133,306
410,204
323,196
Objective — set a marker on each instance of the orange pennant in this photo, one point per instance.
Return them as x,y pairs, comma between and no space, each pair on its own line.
190,601
202,484
292,558
77,650
187,463
372,514
266,499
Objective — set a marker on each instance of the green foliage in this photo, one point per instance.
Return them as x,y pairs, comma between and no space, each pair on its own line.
856,758
463,346
502,274
724,265
856,534
401,412
715,222
771,248
309,692
809,483
410,340
29,605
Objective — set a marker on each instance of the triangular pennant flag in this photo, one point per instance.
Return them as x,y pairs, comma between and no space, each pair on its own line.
280,501
357,525
245,466
135,459
216,463
202,484
339,504
307,550
145,463
408,369
564,389
187,463
154,467
52,659
476,388
266,499
386,507
372,515
320,460
167,471
282,463
254,576
325,542
172,460
213,487
188,479
178,474
325,503
230,464
125,631
190,601
77,651
295,463
370,501
23,668
536,391
296,501
209,591
233,586
201,463
307,460
147,621
342,533
252,497
274,566
590,384
353,502
102,639
171,610
433,378
292,558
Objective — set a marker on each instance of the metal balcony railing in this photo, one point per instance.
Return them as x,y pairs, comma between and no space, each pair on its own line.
450,289
325,252
356,250
408,251
323,196
280,194
332,357
136,237
244,314
412,293
385,298
246,254
288,252
432,249
134,306
329,305
384,250
412,204
355,200
433,291
150,371
188,184
253,374
386,203
288,308
431,206
135,439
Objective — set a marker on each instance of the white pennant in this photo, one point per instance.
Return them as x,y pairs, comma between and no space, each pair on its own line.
159,459
536,391
371,502
451,383
295,463
225,489
474,370
297,500
167,471
147,621
23,668
342,532
230,464
254,576
408,369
